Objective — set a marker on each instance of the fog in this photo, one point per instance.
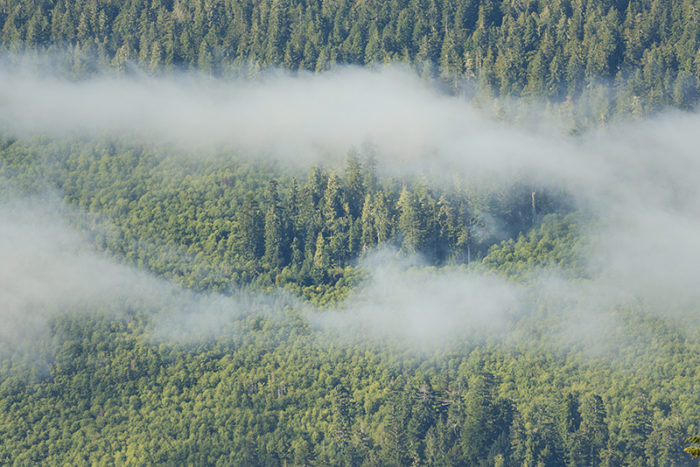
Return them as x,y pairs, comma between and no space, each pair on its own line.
48,269
410,304
637,179
315,118
303,118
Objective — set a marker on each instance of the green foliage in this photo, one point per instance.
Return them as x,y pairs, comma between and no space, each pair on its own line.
276,394
104,390
223,222
694,448
647,51
99,388
555,243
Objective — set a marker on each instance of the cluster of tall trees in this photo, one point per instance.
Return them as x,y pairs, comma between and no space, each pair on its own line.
223,222
628,56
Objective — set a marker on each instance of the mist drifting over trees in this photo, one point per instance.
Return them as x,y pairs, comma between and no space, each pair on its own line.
349,233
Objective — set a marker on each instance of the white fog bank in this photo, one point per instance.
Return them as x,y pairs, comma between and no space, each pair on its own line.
639,180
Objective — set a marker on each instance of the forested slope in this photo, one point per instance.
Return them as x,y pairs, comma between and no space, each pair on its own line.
102,390
190,303
219,222
627,57
279,398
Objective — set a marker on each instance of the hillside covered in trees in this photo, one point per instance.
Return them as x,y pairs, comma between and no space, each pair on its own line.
627,57
214,300
216,225
284,392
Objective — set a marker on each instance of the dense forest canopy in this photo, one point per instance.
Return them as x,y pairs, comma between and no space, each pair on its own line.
207,261
626,57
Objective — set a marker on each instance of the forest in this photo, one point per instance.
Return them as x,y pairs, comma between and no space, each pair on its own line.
459,287
624,57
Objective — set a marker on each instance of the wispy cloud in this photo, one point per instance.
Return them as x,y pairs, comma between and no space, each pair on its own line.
637,179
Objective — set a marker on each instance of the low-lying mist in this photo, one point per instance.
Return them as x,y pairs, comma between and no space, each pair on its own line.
410,125
637,180
49,270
